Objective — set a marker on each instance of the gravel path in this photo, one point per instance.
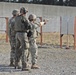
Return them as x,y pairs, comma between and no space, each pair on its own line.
52,61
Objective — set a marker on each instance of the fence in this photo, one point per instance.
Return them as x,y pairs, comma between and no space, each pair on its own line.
3,28
51,33
68,27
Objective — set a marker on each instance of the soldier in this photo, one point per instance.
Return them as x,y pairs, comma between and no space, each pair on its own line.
12,37
21,27
32,35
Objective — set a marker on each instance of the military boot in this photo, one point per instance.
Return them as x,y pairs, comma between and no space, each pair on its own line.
25,67
17,66
11,63
34,66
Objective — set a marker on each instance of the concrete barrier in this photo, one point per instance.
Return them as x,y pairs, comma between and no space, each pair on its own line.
39,10
45,11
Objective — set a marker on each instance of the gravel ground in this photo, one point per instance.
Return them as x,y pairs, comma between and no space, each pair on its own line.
52,61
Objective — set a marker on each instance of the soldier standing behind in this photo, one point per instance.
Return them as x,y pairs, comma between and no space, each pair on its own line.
32,35
21,27
12,37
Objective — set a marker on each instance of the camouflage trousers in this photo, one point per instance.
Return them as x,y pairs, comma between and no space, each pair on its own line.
12,44
21,48
33,49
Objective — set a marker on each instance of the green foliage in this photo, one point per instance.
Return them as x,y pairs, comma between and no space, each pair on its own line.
46,2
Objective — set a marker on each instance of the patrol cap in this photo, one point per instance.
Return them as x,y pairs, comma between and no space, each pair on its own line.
32,17
23,10
15,12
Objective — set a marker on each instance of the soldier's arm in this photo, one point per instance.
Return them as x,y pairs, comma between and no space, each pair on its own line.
39,24
25,21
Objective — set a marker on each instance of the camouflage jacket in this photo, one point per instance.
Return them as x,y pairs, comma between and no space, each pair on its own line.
11,31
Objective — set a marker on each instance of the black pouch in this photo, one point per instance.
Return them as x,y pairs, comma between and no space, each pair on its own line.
29,34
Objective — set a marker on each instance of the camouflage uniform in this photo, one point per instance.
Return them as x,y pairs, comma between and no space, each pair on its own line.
12,37
32,35
21,24
32,42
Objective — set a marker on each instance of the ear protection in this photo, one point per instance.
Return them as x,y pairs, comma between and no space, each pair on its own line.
22,10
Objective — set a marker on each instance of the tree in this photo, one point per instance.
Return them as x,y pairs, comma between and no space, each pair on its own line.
1,0
60,2
48,2
72,2
66,3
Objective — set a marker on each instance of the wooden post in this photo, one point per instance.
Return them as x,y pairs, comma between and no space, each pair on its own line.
67,46
41,32
60,33
6,29
75,33
61,40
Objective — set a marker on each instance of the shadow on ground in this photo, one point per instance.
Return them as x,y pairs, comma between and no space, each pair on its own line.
7,68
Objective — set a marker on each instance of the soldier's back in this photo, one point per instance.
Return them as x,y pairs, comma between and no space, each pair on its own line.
19,24
12,26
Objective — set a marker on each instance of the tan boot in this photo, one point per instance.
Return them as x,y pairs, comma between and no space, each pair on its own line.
34,66
25,67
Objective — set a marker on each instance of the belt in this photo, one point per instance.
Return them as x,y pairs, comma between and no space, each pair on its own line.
22,31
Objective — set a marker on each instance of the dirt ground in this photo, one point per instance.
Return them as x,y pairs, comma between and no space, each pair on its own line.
51,58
